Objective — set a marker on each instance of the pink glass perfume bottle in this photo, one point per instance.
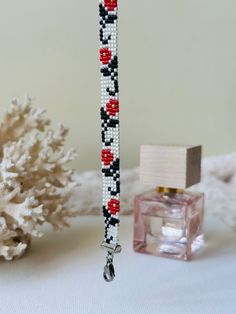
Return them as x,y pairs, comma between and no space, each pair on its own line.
168,220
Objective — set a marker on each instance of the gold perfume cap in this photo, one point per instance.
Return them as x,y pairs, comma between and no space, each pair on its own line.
170,166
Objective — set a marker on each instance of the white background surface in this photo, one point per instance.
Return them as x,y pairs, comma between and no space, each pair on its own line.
62,274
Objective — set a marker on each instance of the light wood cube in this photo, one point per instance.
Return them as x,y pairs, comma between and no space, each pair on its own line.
170,166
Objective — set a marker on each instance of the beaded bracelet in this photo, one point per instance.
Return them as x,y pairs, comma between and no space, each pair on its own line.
108,11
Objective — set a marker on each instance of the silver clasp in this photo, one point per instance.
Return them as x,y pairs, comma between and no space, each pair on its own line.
109,270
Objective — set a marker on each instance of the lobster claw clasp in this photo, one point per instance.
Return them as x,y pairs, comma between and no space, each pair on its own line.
109,271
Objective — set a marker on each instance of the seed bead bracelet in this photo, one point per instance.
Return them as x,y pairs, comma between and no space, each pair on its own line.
110,155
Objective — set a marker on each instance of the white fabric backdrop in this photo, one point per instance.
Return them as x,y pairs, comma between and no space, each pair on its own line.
218,184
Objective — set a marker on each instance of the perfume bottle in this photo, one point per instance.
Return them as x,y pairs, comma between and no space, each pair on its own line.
168,220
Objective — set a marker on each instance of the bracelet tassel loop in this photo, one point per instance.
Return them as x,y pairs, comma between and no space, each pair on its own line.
109,270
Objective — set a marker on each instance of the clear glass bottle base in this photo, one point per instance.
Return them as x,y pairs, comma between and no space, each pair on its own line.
169,225
176,250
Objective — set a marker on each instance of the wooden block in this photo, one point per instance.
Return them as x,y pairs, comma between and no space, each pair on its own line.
170,166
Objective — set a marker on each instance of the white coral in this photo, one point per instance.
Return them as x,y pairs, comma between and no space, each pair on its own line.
35,183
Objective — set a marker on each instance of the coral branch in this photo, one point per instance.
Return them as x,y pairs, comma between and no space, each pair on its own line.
35,184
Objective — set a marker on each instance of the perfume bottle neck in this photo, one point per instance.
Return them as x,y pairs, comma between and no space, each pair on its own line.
165,190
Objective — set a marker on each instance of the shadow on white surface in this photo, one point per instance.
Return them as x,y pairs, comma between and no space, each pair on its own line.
57,250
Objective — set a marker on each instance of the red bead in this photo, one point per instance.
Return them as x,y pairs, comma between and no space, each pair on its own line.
112,107
107,157
111,5
113,206
105,55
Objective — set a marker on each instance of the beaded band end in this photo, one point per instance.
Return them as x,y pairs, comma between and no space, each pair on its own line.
111,248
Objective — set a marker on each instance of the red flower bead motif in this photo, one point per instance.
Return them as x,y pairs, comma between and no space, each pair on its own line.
105,55
107,157
113,206
111,5
112,107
